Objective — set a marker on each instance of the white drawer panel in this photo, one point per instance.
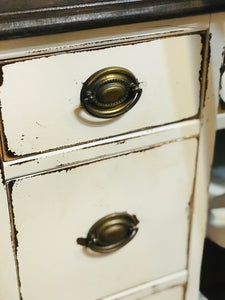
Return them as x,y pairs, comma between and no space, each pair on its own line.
40,97
51,211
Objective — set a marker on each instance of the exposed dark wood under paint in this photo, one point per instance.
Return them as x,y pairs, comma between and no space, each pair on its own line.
29,17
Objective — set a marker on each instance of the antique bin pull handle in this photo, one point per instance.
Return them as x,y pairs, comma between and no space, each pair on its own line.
110,233
110,92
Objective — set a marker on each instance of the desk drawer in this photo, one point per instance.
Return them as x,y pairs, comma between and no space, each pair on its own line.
51,211
40,97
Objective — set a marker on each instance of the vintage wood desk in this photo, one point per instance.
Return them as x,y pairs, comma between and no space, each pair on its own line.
108,119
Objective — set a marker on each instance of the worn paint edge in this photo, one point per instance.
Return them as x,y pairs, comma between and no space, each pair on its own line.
9,155
10,184
103,44
117,139
4,143
68,167
204,82
11,216
1,76
191,209
203,74
14,233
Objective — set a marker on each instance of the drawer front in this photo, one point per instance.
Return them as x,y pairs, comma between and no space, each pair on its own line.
42,95
51,211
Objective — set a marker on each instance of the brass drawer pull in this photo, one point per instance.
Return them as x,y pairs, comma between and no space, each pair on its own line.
110,92
110,233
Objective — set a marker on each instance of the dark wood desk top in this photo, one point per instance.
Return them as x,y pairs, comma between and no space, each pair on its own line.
22,18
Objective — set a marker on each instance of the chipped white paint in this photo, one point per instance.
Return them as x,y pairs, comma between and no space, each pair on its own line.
49,89
56,43
8,278
207,138
47,205
216,89
146,290
205,155
52,210
103,148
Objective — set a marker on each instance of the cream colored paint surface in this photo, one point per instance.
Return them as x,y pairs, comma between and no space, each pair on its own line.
176,293
40,97
104,148
8,279
52,210
48,208
205,156
159,286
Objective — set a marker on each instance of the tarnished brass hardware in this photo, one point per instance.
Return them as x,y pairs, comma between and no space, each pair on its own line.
110,233
110,92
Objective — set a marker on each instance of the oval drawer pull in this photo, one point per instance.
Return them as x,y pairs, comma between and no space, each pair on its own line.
110,233
110,92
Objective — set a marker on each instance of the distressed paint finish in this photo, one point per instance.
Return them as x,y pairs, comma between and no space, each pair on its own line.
206,148
70,156
49,88
8,278
87,152
52,210
86,39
